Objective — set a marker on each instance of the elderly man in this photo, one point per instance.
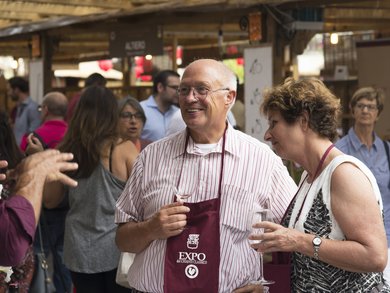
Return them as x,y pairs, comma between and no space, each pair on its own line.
200,245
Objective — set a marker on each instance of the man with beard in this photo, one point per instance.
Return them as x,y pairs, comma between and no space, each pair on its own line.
161,105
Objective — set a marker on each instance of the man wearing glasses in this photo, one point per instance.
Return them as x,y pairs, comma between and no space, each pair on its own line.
185,210
363,143
161,105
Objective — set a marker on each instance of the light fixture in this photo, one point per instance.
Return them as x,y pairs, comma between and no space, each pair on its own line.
334,38
148,57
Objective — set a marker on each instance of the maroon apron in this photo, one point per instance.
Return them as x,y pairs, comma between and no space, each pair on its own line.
192,257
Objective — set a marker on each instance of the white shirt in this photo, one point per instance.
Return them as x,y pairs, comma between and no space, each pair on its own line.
252,174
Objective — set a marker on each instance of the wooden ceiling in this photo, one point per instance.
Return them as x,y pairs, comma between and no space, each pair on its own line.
80,29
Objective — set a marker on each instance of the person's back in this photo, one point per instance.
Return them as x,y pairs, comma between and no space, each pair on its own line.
105,163
53,128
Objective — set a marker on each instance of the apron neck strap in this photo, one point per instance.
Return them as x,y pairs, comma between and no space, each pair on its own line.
222,160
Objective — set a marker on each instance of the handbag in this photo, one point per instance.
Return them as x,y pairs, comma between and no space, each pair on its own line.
125,261
41,282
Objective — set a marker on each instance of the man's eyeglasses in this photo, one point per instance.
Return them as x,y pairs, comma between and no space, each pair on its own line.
129,115
199,92
174,87
370,108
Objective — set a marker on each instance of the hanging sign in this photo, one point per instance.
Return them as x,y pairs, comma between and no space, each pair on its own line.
140,42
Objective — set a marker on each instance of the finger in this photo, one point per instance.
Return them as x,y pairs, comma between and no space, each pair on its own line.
2,177
175,226
177,210
245,289
3,163
64,179
175,204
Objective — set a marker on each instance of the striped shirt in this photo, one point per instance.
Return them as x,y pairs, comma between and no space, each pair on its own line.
252,174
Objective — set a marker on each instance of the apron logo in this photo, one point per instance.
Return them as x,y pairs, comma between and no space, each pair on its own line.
191,271
193,241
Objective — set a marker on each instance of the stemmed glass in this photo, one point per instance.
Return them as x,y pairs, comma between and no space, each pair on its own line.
181,195
260,214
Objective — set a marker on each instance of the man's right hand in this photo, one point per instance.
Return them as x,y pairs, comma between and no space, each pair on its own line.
3,164
169,221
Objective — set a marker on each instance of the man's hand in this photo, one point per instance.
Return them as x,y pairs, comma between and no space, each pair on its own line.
169,221
251,288
46,166
32,173
33,145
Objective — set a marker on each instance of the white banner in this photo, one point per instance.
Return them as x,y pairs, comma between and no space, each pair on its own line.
258,76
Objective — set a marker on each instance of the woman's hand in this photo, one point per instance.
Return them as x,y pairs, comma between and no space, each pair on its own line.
275,238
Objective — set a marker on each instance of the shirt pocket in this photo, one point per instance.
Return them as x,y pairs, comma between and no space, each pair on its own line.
236,207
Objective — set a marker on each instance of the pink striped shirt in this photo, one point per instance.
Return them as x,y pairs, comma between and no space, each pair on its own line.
252,174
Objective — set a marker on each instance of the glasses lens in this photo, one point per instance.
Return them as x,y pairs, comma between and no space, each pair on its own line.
183,91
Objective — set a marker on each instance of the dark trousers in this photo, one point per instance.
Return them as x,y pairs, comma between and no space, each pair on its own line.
53,243
97,283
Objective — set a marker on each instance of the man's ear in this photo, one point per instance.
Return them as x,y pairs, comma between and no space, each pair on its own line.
230,98
160,87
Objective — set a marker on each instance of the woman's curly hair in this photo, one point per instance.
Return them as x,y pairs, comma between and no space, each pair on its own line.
293,98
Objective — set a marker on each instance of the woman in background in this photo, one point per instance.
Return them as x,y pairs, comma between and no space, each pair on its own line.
131,122
105,162
334,226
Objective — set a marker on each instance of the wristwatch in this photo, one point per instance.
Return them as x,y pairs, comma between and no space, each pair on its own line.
316,245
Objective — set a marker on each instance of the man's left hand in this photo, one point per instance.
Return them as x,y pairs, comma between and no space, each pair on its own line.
251,288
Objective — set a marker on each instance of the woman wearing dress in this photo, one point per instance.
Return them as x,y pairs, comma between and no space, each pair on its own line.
105,162
334,226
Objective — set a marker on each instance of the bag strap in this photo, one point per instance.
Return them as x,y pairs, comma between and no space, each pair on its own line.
52,248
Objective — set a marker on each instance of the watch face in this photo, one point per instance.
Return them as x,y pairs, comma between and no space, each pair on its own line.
317,241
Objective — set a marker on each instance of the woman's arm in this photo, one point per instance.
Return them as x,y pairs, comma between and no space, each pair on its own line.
357,212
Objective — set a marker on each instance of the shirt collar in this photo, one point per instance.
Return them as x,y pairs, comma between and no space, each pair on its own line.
357,144
230,145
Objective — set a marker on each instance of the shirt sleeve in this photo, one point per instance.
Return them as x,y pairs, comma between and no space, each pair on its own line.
17,229
282,188
129,206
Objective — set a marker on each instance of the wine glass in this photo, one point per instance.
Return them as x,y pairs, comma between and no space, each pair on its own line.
260,214
181,195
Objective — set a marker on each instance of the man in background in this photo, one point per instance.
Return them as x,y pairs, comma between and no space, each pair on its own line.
160,107
27,117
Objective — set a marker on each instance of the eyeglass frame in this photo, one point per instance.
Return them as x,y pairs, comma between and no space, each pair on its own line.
195,92
130,116
174,87
370,108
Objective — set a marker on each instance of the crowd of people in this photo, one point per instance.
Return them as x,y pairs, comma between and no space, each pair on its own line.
173,180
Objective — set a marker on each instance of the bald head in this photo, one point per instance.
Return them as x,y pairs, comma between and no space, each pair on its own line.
56,103
222,73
